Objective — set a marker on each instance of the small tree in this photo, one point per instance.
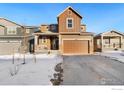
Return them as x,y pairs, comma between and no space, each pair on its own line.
24,43
13,61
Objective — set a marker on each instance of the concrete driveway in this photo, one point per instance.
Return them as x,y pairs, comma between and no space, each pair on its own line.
92,70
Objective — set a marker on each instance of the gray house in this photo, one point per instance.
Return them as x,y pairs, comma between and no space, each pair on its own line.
14,36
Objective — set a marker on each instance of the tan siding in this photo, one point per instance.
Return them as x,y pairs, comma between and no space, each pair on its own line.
111,34
44,28
2,30
47,43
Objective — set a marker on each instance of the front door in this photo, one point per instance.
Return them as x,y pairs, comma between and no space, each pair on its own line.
54,43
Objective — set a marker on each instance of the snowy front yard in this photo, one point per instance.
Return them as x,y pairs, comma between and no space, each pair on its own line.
38,69
116,55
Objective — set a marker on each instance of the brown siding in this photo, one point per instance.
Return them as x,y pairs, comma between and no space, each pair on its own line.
62,22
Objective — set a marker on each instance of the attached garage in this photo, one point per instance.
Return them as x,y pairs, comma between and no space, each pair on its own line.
7,47
76,47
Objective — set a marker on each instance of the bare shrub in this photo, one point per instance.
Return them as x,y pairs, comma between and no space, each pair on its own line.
14,70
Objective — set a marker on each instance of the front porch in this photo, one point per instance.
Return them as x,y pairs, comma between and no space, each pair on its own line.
45,43
108,43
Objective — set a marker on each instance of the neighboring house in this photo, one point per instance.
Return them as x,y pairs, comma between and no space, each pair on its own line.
29,34
69,36
109,41
12,36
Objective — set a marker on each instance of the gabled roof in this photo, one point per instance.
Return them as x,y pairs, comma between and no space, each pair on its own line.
32,26
46,33
10,21
69,7
110,31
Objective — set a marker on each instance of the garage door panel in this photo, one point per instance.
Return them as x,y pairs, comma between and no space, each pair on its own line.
7,48
75,46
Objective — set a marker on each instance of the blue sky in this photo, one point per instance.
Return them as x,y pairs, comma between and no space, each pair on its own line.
97,17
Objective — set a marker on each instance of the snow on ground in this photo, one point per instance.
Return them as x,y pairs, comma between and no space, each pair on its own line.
31,73
116,55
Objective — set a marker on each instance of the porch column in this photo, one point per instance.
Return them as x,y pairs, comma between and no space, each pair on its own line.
109,42
121,42
36,40
60,43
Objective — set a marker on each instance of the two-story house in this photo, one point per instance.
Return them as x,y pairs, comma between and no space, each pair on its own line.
12,37
69,36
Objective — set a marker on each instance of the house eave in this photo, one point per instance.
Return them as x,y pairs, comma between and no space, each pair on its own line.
46,34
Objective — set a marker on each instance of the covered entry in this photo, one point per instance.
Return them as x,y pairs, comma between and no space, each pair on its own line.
108,41
75,47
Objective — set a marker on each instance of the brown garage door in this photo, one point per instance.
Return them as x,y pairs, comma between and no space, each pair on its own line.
75,47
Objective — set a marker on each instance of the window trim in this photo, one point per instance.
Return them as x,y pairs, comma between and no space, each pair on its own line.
8,30
67,23
28,31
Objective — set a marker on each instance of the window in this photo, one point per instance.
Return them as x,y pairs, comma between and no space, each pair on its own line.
106,41
69,23
44,40
69,12
27,31
2,30
11,30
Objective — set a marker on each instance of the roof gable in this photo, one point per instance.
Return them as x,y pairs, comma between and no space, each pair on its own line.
9,21
108,33
113,32
72,10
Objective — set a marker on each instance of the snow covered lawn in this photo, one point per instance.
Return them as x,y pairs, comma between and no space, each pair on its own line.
116,55
31,73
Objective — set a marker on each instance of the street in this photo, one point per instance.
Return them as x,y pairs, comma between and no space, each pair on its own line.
92,70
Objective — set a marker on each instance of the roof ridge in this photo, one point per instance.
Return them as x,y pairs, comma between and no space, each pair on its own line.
68,8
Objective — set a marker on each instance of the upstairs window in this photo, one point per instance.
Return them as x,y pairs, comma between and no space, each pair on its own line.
69,23
11,30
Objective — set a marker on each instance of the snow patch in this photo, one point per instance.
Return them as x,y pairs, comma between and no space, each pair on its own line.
31,73
116,55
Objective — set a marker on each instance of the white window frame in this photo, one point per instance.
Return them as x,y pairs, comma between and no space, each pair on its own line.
67,23
10,30
27,31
